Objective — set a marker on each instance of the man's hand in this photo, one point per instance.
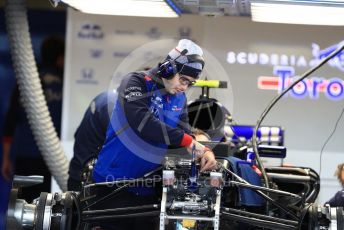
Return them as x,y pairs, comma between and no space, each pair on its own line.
208,161
204,154
199,148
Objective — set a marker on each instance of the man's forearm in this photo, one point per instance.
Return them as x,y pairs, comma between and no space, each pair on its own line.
6,167
6,146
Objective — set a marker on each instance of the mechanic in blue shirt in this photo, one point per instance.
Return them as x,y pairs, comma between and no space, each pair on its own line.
150,114
338,199
90,136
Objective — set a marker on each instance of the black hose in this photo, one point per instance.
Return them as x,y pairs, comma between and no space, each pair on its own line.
276,99
31,93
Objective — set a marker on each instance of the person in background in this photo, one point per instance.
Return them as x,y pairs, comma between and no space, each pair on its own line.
4,184
18,140
338,199
90,136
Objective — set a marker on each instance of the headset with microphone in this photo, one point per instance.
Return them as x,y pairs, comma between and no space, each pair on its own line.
168,68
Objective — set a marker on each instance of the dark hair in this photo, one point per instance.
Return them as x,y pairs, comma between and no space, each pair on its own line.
52,48
338,173
196,132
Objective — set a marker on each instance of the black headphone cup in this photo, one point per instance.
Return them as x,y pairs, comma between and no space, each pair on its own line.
167,69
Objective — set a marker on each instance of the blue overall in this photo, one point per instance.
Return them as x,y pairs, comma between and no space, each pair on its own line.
126,154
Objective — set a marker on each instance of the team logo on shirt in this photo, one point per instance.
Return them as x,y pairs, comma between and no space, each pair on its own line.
157,101
130,96
176,108
156,105
132,92
131,88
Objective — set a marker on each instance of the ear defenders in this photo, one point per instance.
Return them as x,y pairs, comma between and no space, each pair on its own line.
168,68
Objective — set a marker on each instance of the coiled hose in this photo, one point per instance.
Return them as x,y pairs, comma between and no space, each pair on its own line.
31,93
